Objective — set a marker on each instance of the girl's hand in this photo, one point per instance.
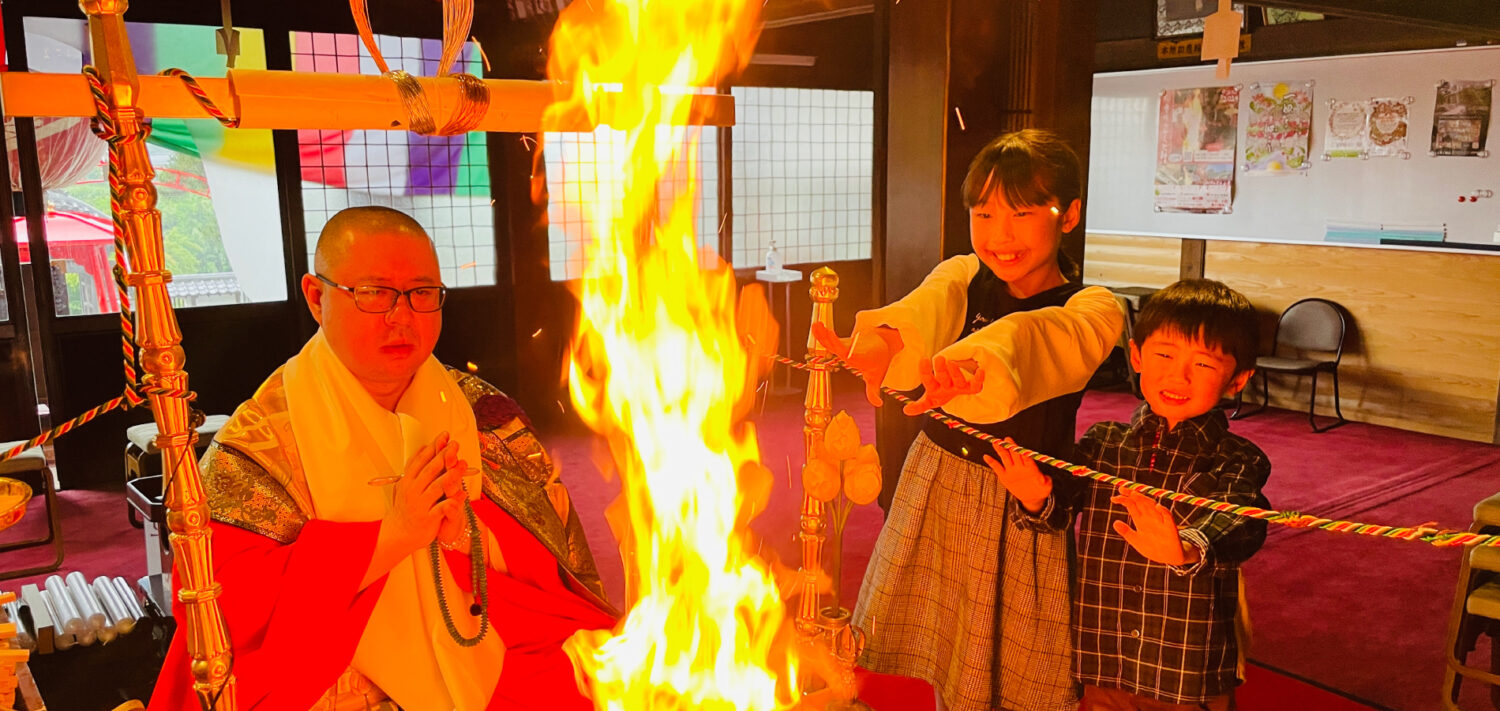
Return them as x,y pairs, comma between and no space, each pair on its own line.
944,380
1020,476
1155,534
868,350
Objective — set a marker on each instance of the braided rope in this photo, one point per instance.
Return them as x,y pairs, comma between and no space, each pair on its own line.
105,127
202,97
114,403
1294,519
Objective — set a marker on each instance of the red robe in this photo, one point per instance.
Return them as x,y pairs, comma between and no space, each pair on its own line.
295,614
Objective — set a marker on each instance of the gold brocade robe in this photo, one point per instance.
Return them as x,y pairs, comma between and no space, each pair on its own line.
253,480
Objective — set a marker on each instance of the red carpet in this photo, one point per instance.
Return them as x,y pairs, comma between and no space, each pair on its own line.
1356,614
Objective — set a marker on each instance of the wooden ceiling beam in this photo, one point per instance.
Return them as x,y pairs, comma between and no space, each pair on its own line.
1472,17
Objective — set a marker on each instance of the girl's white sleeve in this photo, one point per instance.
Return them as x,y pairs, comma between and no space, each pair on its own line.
928,319
1034,356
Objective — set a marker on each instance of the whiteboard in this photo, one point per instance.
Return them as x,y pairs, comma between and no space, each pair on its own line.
1420,190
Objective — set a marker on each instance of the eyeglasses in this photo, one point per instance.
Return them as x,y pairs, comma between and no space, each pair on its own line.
382,299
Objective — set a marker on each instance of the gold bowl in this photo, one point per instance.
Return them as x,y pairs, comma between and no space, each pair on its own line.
13,497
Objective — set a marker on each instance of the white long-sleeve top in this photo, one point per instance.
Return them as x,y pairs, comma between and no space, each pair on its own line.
1028,356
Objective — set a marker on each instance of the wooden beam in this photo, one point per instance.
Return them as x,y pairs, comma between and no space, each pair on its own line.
784,13
305,100
1480,17
1334,36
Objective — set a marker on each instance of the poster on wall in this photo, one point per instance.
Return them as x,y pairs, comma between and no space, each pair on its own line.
1195,149
1276,16
1347,136
1461,118
1175,18
1278,132
1388,124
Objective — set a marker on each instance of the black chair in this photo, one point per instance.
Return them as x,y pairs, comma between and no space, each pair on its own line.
1310,326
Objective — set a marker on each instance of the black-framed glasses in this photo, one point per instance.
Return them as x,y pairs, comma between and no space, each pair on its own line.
381,299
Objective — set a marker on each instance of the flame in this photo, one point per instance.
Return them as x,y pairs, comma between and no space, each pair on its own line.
659,369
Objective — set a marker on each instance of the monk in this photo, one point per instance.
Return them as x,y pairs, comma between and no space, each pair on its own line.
388,532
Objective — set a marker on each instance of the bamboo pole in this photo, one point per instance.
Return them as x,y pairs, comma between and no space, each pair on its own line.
162,358
306,100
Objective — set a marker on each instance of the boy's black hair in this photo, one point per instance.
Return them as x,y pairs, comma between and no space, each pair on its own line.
1203,308
1031,166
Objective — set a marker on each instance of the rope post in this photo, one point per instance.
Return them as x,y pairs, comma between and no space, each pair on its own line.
138,226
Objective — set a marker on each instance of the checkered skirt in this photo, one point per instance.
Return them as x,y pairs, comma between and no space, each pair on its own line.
957,596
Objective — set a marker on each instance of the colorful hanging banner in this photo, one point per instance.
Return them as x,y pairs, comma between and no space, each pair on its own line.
1279,130
1461,118
1195,151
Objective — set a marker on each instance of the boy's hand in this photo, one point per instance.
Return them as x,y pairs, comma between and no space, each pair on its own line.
944,380
1155,533
870,351
1020,476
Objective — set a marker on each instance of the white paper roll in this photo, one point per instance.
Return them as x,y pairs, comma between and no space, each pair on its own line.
115,612
83,598
23,634
67,617
131,601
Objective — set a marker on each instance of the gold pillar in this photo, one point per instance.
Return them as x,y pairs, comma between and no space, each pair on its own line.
818,411
162,359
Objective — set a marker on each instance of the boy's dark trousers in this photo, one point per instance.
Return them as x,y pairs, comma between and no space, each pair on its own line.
1099,699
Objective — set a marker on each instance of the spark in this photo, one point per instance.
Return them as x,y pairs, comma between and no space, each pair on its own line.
960,116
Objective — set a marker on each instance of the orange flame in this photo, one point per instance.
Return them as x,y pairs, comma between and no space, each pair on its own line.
658,367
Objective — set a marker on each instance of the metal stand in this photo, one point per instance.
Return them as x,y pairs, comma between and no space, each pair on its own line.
783,278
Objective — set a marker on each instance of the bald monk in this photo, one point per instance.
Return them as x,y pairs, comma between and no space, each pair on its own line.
329,488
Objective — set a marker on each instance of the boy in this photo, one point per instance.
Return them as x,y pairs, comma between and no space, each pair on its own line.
1154,611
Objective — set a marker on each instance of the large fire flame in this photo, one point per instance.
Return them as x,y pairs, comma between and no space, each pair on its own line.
658,368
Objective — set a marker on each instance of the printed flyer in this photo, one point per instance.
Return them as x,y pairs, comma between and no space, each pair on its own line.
1388,123
1461,118
1347,136
1279,129
1195,151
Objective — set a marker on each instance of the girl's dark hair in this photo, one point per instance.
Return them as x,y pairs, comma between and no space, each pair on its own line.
1032,166
1206,309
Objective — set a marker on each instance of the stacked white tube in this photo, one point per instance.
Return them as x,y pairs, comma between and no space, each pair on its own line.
128,597
67,614
61,637
83,598
116,615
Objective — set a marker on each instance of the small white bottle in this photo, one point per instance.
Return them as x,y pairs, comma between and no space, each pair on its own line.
773,259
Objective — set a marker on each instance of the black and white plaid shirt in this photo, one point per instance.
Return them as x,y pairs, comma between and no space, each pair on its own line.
1143,627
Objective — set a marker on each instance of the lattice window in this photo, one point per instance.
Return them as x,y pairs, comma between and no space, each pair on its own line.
571,164
442,181
803,160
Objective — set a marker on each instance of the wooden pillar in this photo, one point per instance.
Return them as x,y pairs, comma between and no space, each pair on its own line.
1194,252
961,72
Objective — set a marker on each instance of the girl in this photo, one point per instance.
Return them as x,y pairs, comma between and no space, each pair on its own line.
1003,340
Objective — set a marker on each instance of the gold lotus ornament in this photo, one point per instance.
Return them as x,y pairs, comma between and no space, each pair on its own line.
844,474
